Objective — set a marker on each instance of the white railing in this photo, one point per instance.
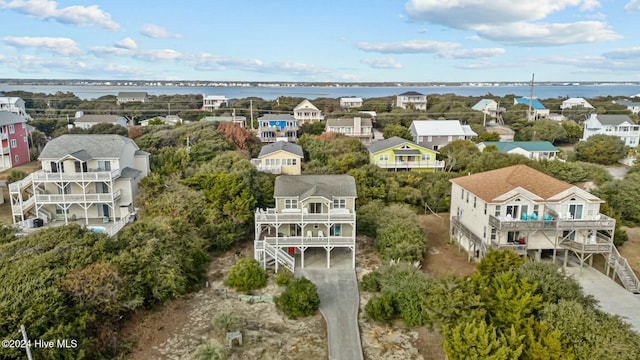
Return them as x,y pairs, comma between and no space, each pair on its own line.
26,204
280,256
438,164
42,175
117,226
273,169
67,198
271,215
312,241
624,271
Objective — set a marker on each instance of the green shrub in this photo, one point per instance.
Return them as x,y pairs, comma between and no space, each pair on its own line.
380,308
283,277
399,235
371,282
299,299
16,175
246,275
225,322
211,350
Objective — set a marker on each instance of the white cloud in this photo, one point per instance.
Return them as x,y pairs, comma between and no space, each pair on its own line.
515,23
126,43
155,31
33,64
101,50
156,55
383,63
622,54
527,34
407,47
294,68
633,5
62,46
472,53
209,62
75,15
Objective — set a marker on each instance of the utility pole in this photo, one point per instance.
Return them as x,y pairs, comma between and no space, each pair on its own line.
531,97
251,111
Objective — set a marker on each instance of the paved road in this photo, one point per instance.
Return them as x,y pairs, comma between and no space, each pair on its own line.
613,298
339,302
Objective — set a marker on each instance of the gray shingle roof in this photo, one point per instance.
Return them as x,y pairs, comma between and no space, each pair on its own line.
386,143
130,173
411,93
614,119
276,117
132,94
281,145
7,118
348,122
99,118
96,146
304,186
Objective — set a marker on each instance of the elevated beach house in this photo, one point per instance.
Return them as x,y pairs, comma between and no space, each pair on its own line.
311,212
434,134
280,157
620,126
533,150
535,215
83,177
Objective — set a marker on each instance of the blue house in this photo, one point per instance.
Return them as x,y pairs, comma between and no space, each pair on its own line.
277,127
537,109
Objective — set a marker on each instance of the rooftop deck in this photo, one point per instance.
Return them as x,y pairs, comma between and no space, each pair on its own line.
299,215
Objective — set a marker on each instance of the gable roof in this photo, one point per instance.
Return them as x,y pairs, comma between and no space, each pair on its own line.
281,146
351,99
491,184
613,119
577,101
348,122
305,104
387,144
482,104
439,128
535,103
99,118
304,186
86,146
531,146
7,118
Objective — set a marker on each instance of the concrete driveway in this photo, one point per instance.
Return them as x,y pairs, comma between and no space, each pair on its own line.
613,298
339,303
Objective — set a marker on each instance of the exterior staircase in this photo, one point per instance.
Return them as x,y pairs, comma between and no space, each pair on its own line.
264,252
623,270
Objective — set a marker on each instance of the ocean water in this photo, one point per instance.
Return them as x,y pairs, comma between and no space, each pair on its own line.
88,92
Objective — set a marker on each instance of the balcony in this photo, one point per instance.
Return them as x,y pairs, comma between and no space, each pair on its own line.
596,243
91,175
297,215
549,222
76,198
518,248
437,164
4,136
310,241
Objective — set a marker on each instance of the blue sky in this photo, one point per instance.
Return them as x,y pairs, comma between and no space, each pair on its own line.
321,40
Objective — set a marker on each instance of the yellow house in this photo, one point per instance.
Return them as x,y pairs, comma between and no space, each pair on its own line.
400,154
280,157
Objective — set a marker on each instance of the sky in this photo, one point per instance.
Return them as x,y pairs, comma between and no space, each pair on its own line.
321,40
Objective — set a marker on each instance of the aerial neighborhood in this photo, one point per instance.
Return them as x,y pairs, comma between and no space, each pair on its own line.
446,212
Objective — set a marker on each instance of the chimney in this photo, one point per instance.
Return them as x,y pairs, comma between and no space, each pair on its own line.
357,125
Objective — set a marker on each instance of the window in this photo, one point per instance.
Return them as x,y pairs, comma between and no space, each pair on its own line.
420,139
315,208
339,203
462,194
426,157
60,210
485,208
535,209
384,157
17,158
484,232
14,143
498,211
449,138
493,234
12,129
290,203
475,201
429,138
335,230
467,197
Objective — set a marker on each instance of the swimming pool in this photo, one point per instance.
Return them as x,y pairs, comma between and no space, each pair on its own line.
97,229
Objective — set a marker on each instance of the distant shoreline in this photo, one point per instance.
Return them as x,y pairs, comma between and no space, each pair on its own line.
285,84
